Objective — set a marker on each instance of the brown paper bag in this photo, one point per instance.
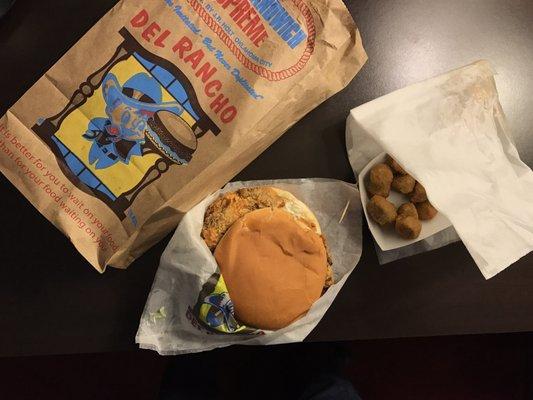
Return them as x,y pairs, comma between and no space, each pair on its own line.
161,103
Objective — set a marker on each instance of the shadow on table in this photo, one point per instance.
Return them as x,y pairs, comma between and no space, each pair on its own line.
480,367
305,372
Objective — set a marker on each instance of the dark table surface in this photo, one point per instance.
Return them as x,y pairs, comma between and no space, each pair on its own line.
59,304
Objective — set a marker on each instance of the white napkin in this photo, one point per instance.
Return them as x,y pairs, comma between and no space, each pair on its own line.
449,132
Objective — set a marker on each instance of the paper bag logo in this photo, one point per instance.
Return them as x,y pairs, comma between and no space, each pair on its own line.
246,26
130,122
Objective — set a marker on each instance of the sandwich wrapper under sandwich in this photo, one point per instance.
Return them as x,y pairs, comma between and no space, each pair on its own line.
161,103
450,134
187,293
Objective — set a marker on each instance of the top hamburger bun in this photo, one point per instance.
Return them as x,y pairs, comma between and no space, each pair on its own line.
274,267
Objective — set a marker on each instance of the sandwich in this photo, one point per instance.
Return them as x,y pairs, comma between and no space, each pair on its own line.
271,253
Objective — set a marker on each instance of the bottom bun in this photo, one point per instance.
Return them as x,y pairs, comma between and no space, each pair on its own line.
273,267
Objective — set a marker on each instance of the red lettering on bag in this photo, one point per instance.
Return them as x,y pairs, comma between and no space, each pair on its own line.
228,114
140,19
194,58
151,31
205,72
219,103
183,45
160,41
215,85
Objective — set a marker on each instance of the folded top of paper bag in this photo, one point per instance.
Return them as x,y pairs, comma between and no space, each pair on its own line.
449,132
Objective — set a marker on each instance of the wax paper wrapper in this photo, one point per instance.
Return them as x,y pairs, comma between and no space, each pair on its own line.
186,283
450,133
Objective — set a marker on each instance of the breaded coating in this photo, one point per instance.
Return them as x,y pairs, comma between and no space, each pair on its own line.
426,210
329,277
403,183
407,210
397,168
408,227
381,210
329,274
380,180
418,195
229,207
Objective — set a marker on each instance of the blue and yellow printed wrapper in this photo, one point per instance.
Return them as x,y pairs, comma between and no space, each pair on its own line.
215,310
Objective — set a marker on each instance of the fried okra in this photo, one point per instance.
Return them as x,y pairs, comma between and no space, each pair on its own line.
397,168
403,183
381,210
426,210
408,227
380,180
418,195
407,210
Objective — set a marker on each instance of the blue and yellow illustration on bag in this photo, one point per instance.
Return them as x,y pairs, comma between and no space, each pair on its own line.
126,125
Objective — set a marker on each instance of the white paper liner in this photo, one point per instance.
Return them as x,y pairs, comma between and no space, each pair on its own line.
187,263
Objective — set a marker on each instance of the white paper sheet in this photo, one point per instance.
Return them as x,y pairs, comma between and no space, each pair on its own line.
186,264
449,132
